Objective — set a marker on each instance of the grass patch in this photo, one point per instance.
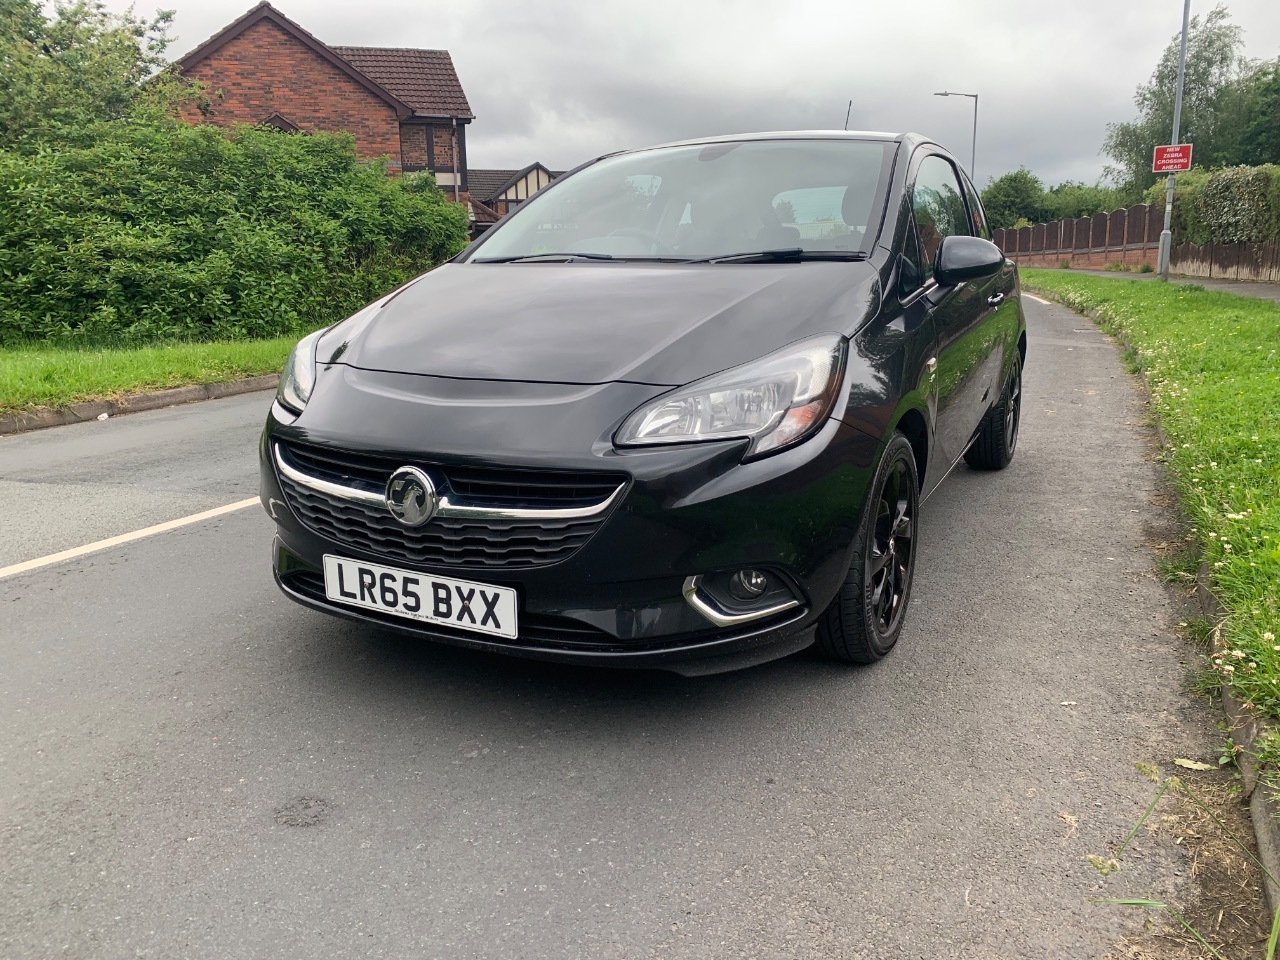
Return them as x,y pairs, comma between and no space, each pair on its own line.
1179,567
1212,363
1201,631
33,377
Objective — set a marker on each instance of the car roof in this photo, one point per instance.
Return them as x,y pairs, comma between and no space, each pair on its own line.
794,135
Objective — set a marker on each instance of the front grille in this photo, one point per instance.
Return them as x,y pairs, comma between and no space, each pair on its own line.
446,541
477,486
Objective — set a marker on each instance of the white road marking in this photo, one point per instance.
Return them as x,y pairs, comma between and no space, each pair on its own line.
27,565
1032,296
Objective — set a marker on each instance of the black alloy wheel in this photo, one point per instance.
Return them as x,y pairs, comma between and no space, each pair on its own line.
864,621
998,436
887,575
1013,408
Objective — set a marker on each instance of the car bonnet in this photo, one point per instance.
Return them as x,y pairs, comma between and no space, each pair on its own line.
592,323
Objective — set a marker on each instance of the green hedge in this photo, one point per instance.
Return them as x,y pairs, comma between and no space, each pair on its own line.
168,231
1230,205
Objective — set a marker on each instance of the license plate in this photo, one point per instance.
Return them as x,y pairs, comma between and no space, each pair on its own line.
477,607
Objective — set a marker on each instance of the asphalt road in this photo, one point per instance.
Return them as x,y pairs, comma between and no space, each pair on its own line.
193,767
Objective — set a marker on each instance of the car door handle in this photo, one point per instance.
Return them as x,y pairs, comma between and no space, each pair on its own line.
995,299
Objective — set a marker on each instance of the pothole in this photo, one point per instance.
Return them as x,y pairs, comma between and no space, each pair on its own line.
303,812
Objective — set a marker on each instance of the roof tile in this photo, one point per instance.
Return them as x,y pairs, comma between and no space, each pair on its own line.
481,213
424,79
485,184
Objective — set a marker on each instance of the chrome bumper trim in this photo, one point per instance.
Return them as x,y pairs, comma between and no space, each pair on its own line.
721,619
445,507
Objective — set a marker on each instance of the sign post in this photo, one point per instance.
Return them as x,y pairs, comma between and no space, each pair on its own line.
1166,235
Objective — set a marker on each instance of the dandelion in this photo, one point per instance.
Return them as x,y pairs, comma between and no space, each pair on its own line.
1269,637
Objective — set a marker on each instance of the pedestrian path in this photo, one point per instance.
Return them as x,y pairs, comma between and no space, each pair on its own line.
1241,288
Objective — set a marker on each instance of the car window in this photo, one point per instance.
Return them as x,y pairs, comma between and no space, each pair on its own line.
819,212
707,200
646,185
939,208
912,268
977,215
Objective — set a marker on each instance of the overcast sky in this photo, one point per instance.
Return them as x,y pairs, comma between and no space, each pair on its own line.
560,81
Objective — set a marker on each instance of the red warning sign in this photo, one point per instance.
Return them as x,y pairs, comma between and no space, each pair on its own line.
1172,159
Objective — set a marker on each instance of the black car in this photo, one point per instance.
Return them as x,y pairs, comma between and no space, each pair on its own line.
677,410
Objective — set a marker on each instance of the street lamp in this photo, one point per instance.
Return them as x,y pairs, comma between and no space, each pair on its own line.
1166,235
973,152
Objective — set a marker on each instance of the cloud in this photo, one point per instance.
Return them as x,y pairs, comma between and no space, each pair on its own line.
561,81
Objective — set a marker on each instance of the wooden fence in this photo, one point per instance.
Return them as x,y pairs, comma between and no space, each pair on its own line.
1131,237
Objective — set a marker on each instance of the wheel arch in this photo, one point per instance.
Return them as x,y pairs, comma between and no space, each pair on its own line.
913,425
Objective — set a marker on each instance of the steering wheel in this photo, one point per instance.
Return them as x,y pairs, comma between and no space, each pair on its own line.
641,234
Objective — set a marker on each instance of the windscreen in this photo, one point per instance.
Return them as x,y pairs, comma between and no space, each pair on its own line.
706,201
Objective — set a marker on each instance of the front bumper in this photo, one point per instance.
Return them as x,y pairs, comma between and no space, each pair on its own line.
691,655
619,599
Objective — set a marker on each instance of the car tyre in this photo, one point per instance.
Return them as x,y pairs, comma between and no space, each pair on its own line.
864,621
998,436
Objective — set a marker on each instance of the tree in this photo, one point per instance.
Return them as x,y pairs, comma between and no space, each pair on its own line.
61,76
1259,106
1214,65
1071,199
1016,195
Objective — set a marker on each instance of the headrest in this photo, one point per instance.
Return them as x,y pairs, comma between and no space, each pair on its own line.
856,206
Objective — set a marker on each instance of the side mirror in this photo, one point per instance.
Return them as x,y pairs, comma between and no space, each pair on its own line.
965,258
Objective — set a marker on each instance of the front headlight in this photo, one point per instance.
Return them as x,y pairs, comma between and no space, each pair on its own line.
298,378
776,401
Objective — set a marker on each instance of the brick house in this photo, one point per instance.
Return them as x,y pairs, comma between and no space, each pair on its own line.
404,104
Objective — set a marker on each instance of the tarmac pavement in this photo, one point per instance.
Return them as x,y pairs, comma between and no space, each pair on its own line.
192,766
1241,288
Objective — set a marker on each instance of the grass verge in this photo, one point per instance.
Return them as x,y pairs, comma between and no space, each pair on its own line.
32,377
1212,363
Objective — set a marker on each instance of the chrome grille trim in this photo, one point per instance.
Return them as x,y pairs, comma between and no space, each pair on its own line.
446,508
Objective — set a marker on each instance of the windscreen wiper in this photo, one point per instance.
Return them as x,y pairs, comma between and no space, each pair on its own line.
559,257
782,254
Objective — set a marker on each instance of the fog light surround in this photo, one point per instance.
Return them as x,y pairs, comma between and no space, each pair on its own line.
713,596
